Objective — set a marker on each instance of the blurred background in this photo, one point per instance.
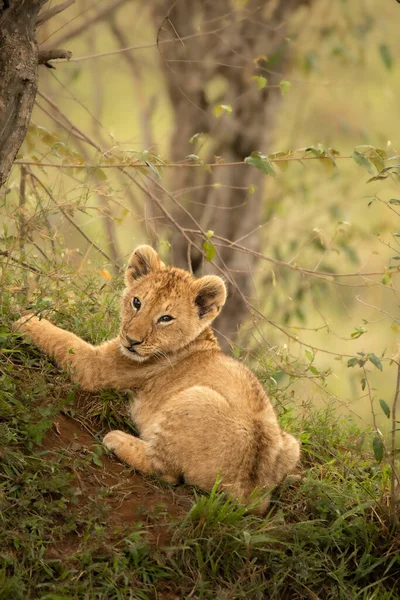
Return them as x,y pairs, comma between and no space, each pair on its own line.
142,138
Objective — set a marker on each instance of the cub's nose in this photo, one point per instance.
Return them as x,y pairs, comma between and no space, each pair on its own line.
133,342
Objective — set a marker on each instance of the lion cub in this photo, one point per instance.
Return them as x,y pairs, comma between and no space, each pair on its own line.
200,414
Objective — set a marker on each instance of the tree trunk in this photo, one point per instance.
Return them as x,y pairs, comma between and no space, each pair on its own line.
228,48
19,60
18,76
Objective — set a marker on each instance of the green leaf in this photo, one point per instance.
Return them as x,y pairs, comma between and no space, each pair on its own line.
358,331
377,178
378,448
352,362
261,162
209,250
386,56
97,461
309,355
362,161
392,168
394,201
261,81
100,174
376,160
385,408
147,156
375,155
209,234
277,158
196,137
222,108
154,169
284,86
316,151
363,383
328,164
375,361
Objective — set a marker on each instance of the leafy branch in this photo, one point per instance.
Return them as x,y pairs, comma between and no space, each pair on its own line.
365,156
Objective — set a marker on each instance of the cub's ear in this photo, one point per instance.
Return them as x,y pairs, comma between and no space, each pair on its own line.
210,296
142,261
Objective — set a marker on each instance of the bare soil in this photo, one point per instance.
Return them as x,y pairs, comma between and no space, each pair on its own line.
127,496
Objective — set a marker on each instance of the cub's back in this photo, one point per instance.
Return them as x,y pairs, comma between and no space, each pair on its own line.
215,370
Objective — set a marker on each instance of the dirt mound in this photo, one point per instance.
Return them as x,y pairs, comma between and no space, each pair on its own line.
128,497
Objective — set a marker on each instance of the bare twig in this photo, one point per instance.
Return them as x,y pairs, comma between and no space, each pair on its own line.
73,127
109,224
52,12
101,14
153,45
59,122
21,216
75,225
45,217
22,263
282,263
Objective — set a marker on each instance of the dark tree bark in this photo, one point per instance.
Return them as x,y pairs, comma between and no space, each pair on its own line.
258,30
19,59
18,76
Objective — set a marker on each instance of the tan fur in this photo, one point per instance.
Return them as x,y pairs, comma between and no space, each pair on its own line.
200,413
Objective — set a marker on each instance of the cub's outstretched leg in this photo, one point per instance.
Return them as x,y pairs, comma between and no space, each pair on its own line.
94,367
137,453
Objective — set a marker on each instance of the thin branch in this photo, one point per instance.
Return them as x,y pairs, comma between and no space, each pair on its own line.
136,208
52,12
146,108
196,223
22,263
153,45
282,263
190,165
101,14
108,221
59,122
73,127
21,216
75,225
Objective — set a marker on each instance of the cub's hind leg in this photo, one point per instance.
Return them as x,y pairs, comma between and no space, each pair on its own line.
137,453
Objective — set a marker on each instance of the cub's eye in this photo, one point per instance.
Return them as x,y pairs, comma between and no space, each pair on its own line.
136,303
165,319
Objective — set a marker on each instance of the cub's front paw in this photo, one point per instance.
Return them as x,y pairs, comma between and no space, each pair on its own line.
25,323
115,440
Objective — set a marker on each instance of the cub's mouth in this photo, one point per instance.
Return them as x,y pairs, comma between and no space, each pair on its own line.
132,353
131,349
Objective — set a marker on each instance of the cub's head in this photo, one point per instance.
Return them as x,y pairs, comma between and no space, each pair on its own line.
164,308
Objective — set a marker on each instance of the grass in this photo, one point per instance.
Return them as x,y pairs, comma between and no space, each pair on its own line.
75,524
